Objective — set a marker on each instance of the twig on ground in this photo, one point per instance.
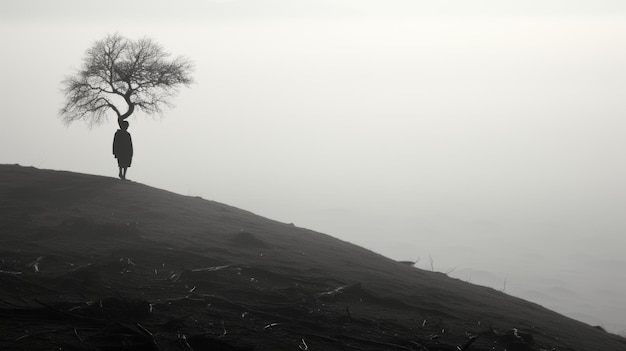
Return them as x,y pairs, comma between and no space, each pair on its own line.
225,331
211,269
147,334
35,263
78,337
10,272
468,343
182,339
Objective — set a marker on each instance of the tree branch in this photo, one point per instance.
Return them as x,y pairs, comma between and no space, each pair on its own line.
139,72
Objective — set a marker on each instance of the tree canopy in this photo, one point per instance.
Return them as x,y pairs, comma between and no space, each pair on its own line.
122,75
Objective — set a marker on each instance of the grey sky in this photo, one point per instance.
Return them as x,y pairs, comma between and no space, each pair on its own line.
229,9
486,134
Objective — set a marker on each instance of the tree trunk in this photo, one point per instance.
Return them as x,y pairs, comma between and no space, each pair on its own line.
121,118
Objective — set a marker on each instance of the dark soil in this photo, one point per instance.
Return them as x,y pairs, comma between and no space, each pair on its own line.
95,263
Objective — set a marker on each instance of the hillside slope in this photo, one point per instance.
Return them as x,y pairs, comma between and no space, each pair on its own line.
90,262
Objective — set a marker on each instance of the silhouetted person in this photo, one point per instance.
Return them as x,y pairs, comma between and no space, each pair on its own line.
123,149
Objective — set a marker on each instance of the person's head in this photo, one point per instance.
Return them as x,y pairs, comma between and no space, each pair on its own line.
124,125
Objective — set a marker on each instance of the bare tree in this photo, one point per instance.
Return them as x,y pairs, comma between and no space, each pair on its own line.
122,76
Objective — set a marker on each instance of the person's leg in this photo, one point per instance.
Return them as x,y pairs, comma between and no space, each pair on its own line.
124,173
120,174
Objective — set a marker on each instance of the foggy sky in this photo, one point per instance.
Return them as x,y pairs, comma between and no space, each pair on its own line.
486,135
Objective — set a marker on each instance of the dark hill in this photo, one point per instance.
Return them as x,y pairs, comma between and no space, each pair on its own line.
90,262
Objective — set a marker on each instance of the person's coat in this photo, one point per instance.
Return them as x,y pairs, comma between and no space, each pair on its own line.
122,145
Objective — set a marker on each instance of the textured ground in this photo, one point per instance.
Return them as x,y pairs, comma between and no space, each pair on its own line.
97,263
